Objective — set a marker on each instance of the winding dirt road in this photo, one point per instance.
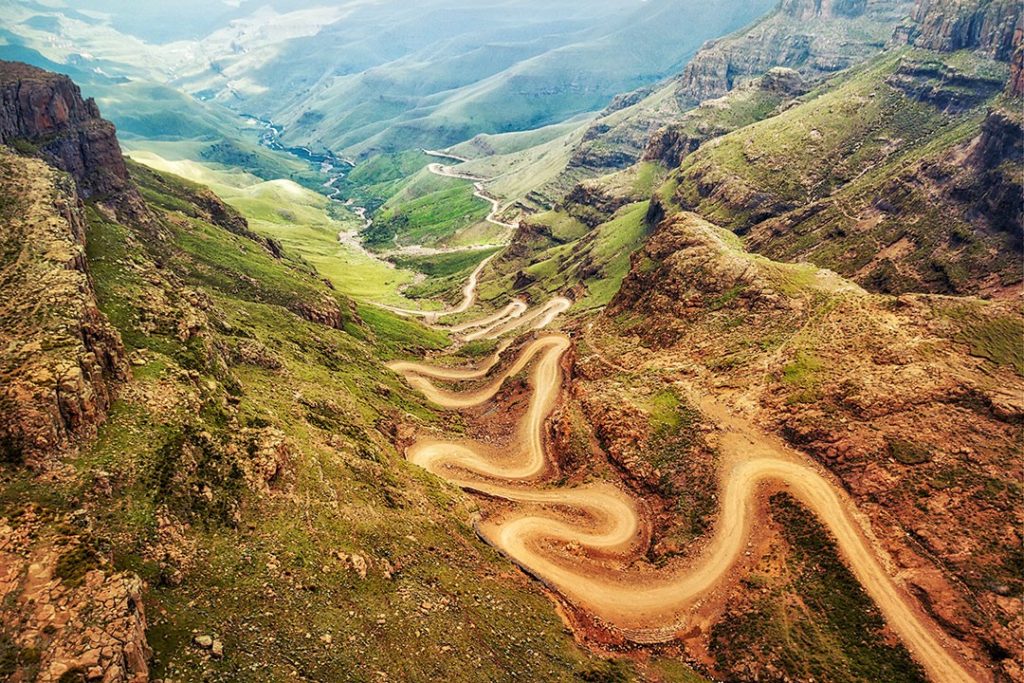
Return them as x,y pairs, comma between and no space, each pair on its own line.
515,315
479,191
609,578
468,298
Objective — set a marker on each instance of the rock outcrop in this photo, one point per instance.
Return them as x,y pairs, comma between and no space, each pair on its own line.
67,617
682,271
61,358
1015,87
807,9
985,26
991,181
714,118
46,110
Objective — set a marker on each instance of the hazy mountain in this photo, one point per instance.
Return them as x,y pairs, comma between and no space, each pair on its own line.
358,77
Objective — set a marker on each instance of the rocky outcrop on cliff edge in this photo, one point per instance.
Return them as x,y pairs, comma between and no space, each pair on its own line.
44,113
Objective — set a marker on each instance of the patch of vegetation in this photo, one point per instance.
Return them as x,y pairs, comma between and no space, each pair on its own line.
73,675
14,658
998,339
397,336
908,452
676,448
427,220
24,147
726,298
457,263
815,622
196,476
613,671
74,564
803,370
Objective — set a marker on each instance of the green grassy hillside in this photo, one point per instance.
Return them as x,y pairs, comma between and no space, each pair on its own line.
867,177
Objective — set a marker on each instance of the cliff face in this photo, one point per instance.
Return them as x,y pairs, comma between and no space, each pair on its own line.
949,25
760,99
61,359
46,111
1016,85
990,182
815,37
806,9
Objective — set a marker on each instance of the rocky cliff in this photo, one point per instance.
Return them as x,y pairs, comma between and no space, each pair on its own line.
1016,85
45,113
816,37
986,26
61,359
759,99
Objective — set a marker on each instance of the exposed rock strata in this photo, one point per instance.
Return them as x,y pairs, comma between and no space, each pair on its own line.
47,111
949,25
61,358
815,37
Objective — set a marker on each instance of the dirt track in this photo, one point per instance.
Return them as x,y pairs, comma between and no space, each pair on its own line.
468,298
479,191
645,604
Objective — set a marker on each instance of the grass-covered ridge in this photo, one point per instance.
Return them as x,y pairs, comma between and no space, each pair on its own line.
848,178
306,223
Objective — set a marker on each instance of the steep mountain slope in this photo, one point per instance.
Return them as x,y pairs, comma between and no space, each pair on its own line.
519,86
902,173
242,511
904,176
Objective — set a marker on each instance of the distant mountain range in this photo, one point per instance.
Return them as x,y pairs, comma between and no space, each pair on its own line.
361,77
